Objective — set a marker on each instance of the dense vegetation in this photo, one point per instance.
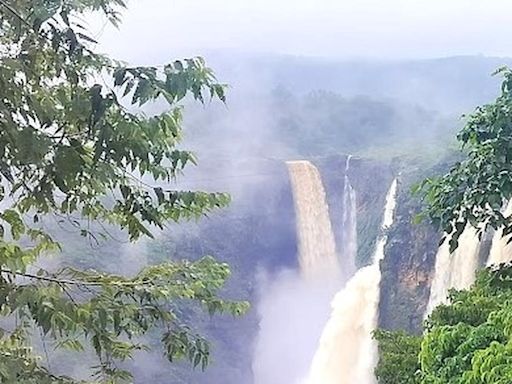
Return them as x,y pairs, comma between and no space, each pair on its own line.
320,123
72,151
474,190
398,362
467,341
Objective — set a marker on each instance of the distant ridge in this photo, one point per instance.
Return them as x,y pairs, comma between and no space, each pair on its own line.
453,84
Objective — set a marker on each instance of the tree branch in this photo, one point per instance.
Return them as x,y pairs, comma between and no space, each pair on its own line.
15,14
71,282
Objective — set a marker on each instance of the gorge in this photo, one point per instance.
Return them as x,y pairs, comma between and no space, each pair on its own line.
301,238
324,197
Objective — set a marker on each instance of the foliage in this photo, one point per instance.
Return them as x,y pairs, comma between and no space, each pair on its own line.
469,339
466,341
72,150
474,190
323,123
398,357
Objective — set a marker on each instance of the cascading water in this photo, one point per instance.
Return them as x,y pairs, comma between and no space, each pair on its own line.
501,249
347,353
293,308
456,270
349,223
317,249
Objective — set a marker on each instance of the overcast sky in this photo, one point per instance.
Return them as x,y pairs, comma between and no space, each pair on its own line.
155,30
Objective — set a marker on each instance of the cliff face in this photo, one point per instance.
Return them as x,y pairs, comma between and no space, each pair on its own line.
371,180
258,233
408,267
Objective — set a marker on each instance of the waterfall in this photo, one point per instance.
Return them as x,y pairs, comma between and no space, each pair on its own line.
347,352
456,270
294,306
317,249
349,225
501,251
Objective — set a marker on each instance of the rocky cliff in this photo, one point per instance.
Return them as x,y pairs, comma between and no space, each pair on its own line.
408,267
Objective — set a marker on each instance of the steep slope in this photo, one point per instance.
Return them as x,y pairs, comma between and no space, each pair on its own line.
408,268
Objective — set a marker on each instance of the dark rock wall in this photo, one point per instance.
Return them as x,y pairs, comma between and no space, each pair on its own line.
371,180
408,267
332,171
256,232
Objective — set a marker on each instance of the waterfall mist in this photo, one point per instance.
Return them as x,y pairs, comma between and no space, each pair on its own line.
293,312
347,352
294,305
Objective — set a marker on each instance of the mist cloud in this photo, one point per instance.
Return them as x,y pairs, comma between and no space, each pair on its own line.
159,30
292,314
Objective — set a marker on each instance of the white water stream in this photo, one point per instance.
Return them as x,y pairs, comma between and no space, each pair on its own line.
456,270
347,353
501,249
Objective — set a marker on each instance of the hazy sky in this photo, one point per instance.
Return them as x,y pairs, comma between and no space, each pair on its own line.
159,29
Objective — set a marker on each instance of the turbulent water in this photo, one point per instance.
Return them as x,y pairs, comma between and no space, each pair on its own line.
347,353
349,234
501,250
317,249
294,306
456,270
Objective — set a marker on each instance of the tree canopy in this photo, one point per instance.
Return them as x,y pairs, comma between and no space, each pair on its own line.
467,341
398,357
72,149
475,189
